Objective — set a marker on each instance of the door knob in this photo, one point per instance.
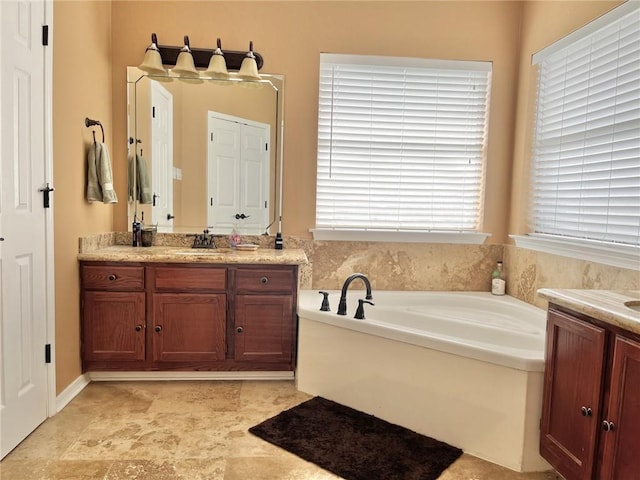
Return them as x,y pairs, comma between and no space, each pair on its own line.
138,328
585,411
158,328
239,329
241,216
608,426
169,216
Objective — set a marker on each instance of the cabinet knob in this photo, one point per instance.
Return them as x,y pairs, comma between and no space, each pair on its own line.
158,328
585,411
112,277
264,280
239,329
608,426
138,328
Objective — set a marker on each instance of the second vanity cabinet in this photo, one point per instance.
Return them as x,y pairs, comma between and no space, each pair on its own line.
192,316
591,404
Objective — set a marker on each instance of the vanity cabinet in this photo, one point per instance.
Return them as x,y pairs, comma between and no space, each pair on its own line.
113,311
591,400
190,316
264,308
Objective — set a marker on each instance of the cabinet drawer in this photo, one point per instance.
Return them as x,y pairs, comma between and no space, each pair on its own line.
113,278
265,280
190,279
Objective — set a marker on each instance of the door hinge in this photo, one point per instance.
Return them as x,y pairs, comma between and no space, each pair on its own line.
45,35
153,112
266,147
212,136
47,353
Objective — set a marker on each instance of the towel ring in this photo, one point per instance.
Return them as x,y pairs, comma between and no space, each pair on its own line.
90,123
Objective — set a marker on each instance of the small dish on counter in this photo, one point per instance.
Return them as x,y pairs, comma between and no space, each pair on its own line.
247,247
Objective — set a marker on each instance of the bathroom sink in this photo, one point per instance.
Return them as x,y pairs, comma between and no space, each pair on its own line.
633,305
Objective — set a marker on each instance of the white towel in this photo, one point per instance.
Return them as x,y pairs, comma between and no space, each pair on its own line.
99,175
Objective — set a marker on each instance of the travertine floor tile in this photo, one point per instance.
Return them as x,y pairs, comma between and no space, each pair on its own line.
182,431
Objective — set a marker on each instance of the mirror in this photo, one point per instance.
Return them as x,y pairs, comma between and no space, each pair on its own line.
205,153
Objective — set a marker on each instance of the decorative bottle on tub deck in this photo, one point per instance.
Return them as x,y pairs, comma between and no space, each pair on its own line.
498,284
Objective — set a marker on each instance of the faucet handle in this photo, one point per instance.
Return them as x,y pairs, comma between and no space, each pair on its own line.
360,311
325,302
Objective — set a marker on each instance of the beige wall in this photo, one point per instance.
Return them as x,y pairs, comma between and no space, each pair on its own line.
81,88
291,35
94,41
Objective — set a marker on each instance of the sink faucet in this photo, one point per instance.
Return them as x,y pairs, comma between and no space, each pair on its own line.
342,307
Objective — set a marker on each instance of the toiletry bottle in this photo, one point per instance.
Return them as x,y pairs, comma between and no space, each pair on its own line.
135,231
498,283
234,238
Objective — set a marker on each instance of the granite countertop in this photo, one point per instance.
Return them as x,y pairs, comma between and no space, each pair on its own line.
125,253
605,305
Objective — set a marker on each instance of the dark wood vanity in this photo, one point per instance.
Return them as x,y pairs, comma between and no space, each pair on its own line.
143,316
591,407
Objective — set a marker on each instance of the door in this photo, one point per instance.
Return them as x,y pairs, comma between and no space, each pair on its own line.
24,223
161,157
264,331
189,327
571,395
620,460
237,174
113,326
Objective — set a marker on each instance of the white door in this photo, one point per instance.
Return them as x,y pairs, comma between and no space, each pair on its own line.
161,157
237,174
24,223
223,173
254,184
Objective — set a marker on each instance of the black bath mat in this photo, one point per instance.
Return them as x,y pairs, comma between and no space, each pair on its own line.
355,445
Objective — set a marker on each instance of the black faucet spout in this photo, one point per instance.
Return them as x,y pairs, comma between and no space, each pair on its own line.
342,306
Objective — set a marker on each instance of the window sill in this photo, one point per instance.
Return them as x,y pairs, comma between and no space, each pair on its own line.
623,256
470,238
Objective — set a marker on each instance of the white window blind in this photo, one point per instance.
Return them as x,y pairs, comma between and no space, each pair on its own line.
586,156
401,143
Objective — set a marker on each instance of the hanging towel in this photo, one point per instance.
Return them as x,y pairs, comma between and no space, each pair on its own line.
131,175
99,175
94,192
143,182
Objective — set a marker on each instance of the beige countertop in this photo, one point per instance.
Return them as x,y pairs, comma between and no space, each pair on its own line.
605,305
125,253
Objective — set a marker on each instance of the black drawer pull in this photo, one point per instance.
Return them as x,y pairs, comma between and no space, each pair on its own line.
264,280
239,329
112,277
158,328
138,328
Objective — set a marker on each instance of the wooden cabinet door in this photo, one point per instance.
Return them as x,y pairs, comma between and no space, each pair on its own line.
571,395
113,326
264,328
188,327
621,449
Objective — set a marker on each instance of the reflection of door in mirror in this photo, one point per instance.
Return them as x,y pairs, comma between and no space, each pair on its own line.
161,157
237,174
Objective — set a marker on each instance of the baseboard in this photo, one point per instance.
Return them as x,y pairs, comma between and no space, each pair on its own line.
150,376
71,391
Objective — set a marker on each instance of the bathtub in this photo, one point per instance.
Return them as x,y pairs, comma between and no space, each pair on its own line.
463,367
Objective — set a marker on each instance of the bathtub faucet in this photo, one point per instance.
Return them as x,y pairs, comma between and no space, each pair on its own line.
342,307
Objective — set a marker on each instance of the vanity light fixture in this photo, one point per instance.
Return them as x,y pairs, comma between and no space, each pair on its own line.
200,58
185,64
152,61
217,66
249,67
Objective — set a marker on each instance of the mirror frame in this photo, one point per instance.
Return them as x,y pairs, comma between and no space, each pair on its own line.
274,81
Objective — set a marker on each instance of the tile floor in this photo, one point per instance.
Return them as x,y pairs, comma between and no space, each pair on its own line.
181,430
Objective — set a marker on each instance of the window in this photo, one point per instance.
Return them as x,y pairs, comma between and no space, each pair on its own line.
401,144
586,152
